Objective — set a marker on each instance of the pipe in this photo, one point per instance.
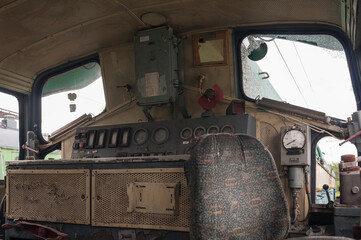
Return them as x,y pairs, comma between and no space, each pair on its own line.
289,108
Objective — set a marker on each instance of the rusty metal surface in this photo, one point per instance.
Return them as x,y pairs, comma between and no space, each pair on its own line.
49,195
38,230
110,199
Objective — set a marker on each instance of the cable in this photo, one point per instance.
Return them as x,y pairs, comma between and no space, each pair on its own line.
131,13
289,70
303,67
308,192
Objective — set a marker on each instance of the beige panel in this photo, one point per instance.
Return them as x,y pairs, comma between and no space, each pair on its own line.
110,199
71,44
27,22
49,195
118,70
268,131
198,14
39,36
15,81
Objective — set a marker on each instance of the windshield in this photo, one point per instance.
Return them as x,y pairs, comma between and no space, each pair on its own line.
310,71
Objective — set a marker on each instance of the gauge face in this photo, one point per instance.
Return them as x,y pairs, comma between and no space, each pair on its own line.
160,135
227,129
213,129
186,133
294,139
100,139
113,138
199,131
140,136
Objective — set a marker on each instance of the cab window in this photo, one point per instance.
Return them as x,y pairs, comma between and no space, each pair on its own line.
9,130
328,155
309,71
69,95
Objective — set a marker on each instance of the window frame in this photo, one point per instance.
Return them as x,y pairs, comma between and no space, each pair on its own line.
240,33
300,29
23,101
39,83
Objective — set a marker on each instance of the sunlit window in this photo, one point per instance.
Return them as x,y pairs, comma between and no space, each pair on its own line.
310,71
328,156
67,96
54,155
9,130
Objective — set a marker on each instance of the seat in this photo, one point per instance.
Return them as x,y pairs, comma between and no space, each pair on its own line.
235,190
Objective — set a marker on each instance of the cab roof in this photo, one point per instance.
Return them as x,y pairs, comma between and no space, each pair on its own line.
38,35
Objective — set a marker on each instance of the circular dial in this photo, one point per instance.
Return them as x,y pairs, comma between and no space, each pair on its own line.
140,136
294,139
199,131
227,129
186,133
213,129
160,135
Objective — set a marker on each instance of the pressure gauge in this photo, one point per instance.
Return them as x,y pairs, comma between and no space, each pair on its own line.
295,145
294,139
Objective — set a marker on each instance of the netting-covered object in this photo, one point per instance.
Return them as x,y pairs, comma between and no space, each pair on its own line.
235,190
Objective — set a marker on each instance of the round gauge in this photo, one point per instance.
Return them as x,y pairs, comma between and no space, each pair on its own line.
140,136
213,129
160,135
227,129
294,139
199,131
186,133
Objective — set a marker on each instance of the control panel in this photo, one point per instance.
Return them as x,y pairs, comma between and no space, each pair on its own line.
154,138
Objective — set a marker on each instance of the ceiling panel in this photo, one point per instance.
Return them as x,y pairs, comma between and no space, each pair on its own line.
80,41
37,35
31,21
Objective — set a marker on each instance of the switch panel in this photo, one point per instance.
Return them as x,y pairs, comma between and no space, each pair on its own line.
154,138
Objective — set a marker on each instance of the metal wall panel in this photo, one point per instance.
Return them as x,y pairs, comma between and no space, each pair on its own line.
110,200
49,195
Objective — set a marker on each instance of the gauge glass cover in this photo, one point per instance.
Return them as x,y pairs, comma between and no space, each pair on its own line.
140,136
199,131
186,133
160,135
213,129
294,139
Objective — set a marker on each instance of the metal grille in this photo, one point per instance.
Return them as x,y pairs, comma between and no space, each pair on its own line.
49,195
110,199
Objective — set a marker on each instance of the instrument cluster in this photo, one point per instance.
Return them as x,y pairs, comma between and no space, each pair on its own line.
154,138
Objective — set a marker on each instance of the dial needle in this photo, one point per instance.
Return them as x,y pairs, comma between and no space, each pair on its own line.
290,142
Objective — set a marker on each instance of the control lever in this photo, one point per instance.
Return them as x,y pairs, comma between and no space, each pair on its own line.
28,148
330,203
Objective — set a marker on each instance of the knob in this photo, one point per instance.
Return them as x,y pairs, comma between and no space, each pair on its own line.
355,189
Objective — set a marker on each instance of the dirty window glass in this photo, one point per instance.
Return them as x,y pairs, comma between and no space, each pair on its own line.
68,96
54,155
310,71
9,130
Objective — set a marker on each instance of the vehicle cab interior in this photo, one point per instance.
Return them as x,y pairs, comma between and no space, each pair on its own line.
181,119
